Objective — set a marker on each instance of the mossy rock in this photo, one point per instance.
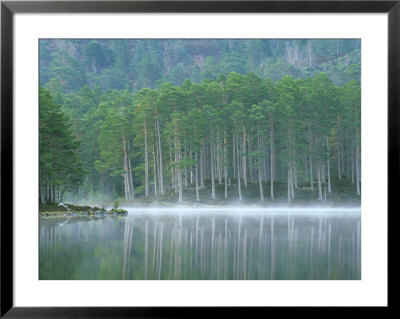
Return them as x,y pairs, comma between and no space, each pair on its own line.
52,209
118,211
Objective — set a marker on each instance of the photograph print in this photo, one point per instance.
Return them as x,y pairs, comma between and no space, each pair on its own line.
199,159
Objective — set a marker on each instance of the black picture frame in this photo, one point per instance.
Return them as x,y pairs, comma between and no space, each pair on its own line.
9,8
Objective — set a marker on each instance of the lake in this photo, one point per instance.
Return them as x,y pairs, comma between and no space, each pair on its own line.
203,244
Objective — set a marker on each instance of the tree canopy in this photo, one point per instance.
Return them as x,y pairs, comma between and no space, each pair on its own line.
215,119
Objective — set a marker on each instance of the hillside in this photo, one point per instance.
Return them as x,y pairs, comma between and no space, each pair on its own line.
68,65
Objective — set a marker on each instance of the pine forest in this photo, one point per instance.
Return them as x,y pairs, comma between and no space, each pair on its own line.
200,121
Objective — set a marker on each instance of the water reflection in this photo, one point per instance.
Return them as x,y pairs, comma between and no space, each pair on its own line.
202,246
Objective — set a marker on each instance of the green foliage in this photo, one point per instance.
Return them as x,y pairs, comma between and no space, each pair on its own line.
60,168
116,204
67,65
65,73
175,104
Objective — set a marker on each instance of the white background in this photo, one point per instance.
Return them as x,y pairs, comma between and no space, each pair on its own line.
370,291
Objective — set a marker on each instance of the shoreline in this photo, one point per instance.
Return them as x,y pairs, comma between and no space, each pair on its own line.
70,210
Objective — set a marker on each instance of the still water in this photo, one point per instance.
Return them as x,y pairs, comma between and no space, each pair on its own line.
203,244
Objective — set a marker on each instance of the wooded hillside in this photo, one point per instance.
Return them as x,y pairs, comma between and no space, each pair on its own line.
201,120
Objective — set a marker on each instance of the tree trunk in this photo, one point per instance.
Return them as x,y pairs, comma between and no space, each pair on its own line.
212,168
131,186
234,154
244,162
155,172
352,164
250,158
161,177
271,130
291,181
339,168
289,197
197,179
266,168
179,170
176,173
219,166
238,164
319,182
191,168
41,194
311,162
358,164
202,165
146,163
225,166
186,170
171,164
126,175
328,165
339,141
260,183
259,171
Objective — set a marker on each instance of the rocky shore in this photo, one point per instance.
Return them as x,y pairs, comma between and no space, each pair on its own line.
62,209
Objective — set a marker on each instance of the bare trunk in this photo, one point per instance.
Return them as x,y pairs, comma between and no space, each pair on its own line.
260,183
212,169
131,186
176,172
291,182
238,168
202,164
160,159
348,154
225,166
126,175
266,167
197,179
41,187
271,125
289,197
358,164
171,164
305,167
319,182
311,162
155,172
146,163
244,162
339,168
179,168
259,171
339,137
352,164
130,177
191,168
250,158
234,154
219,166
328,165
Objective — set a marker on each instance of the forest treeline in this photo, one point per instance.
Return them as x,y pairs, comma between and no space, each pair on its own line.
225,133
68,65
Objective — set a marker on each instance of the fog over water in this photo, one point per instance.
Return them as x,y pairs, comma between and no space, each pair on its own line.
230,243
